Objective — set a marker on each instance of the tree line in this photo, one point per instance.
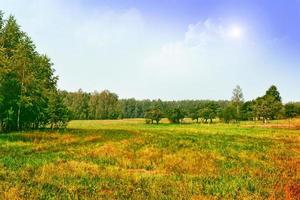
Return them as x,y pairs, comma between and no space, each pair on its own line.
107,105
28,94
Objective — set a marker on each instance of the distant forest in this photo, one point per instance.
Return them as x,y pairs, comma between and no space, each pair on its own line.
29,98
106,105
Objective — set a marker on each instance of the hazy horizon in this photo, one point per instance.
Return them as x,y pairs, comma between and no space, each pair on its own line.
165,49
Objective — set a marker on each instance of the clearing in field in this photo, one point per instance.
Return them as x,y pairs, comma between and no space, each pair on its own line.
127,159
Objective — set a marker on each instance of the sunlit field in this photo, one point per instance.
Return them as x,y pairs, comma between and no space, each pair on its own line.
128,159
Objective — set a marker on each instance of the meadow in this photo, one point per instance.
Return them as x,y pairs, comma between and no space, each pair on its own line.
128,159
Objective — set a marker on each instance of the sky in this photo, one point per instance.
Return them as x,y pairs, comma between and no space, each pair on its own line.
167,49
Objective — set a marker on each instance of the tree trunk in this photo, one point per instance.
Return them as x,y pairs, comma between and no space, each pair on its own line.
265,120
237,112
18,119
21,94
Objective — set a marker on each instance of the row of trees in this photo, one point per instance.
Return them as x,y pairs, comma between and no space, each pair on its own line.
267,107
28,94
106,105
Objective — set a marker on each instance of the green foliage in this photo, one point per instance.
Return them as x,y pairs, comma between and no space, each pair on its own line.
237,95
269,106
8,120
209,112
195,115
154,115
82,105
229,113
78,104
26,79
273,91
298,108
237,100
291,110
246,111
176,115
57,111
108,105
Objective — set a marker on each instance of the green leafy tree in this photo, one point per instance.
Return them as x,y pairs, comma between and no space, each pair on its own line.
273,92
237,100
26,79
246,111
209,111
94,106
298,108
229,113
8,120
269,106
129,107
195,115
57,111
78,104
290,110
273,98
9,80
108,105
154,115
262,108
207,114
176,115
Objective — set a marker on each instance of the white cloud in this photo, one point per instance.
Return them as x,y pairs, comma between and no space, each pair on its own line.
205,44
208,60
204,33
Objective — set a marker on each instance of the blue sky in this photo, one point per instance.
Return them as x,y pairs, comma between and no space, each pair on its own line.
192,49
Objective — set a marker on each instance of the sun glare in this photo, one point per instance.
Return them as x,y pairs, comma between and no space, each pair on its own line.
235,32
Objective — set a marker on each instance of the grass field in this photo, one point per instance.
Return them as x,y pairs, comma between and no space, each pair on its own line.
127,159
